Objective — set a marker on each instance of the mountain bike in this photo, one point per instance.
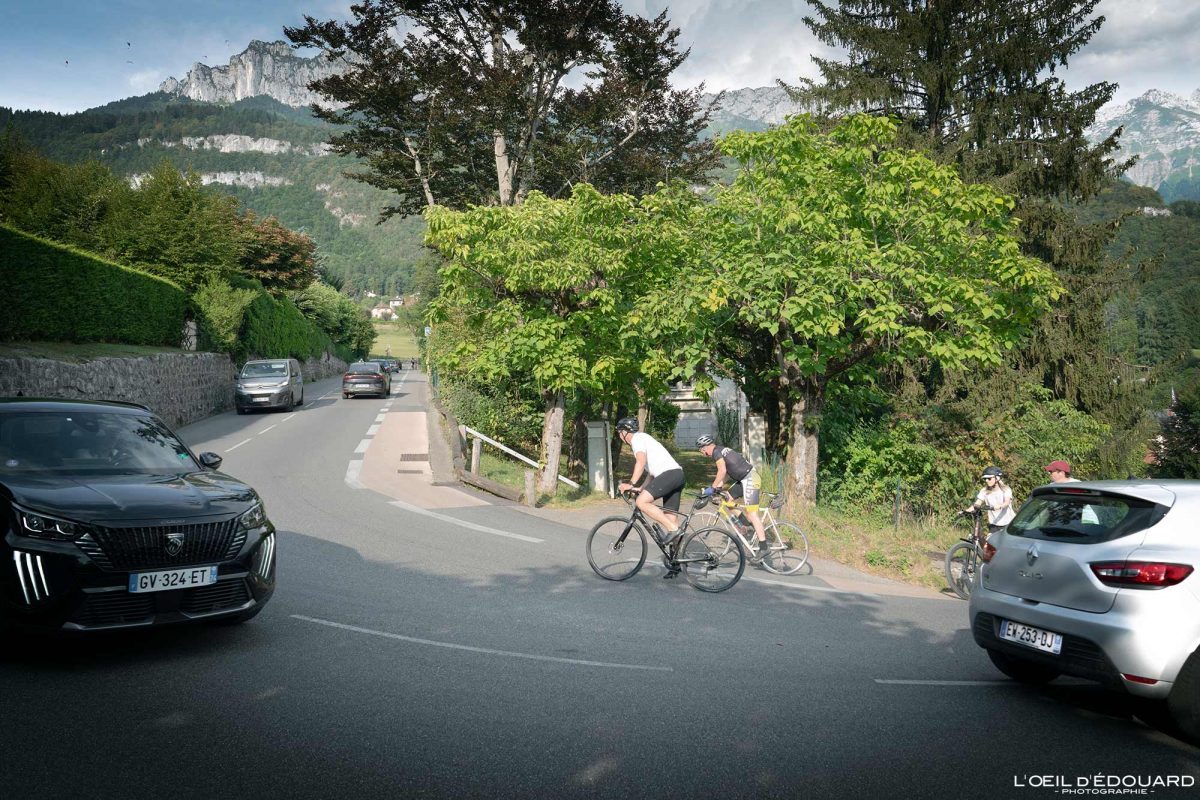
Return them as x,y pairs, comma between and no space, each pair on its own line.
787,551
711,560
963,560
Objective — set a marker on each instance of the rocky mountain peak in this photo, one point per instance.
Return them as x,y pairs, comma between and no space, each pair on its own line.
263,68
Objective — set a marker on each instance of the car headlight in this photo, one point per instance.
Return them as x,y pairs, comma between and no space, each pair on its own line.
44,526
256,517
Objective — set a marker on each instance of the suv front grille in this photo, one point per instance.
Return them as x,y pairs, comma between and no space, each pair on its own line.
136,548
114,608
205,599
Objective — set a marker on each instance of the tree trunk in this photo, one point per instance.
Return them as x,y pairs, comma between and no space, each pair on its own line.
552,436
504,169
801,479
577,450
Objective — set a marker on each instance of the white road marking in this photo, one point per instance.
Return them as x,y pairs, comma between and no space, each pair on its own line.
239,444
362,446
461,523
352,471
264,430
285,419
944,683
381,418
374,429
483,650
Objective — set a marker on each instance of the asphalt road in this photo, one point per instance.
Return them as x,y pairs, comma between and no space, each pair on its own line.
404,655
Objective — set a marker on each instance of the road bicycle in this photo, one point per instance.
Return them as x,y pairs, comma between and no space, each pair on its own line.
788,546
964,559
711,560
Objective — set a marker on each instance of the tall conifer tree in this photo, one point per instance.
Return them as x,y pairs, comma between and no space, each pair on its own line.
976,82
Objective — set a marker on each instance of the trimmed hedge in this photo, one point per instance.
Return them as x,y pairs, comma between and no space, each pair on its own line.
55,293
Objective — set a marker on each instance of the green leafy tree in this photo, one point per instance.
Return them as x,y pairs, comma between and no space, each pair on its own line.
542,292
472,106
171,226
977,84
832,256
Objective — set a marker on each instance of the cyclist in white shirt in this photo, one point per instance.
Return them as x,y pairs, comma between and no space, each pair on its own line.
997,498
666,477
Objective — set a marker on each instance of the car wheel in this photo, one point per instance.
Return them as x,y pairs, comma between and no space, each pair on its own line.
1021,670
1184,700
291,403
300,402
241,410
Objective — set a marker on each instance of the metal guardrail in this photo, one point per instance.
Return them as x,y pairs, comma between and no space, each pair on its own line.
472,432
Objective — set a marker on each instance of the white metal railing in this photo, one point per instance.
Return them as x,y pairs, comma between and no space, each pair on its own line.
513,453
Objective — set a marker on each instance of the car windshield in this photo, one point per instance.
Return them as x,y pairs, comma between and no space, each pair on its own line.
1087,518
89,442
265,369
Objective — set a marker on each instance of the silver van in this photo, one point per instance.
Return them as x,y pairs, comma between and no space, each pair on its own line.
269,383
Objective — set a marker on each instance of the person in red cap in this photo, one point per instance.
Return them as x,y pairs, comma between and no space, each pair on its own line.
1060,472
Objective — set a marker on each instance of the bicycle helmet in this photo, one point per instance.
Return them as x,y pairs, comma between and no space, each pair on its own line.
704,440
627,424
993,472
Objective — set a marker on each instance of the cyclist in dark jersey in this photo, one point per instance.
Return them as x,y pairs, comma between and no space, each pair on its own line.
738,469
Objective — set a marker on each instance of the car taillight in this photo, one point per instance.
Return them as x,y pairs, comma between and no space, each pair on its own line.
989,550
1140,574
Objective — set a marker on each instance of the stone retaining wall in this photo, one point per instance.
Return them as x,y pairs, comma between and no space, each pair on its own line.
179,387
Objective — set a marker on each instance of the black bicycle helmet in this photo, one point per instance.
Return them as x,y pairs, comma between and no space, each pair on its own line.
627,424
704,440
993,472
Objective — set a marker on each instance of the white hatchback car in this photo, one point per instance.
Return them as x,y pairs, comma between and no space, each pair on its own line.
1096,580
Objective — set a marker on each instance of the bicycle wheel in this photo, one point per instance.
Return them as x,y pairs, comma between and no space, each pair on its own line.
711,520
616,548
711,559
962,566
789,549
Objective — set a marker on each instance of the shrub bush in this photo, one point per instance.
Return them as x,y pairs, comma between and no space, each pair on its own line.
55,293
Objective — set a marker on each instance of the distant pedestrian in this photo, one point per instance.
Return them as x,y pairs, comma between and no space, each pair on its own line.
1060,472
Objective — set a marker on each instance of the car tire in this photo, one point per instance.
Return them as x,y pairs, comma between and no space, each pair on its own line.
1021,670
291,403
1184,700
241,410
300,402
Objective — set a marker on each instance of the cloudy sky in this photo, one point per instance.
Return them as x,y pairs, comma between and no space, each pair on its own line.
68,55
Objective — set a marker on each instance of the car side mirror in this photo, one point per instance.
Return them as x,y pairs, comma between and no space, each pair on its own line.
210,460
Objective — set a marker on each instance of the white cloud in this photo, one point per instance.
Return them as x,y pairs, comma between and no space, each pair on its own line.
146,80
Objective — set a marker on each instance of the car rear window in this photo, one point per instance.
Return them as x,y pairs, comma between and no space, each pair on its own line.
1088,518
363,368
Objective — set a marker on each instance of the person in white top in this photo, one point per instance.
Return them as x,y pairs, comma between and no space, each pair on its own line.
1060,472
997,498
666,477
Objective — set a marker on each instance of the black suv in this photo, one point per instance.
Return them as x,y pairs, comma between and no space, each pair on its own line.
110,521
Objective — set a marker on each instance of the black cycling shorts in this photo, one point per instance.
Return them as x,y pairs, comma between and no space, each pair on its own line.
668,486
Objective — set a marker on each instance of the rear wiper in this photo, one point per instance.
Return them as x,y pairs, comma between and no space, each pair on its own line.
1063,532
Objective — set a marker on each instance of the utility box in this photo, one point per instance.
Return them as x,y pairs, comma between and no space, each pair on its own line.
598,460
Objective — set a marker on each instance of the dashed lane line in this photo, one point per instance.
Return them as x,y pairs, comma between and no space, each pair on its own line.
463,524
578,662
374,429
264,430
362,446
352,472
285,419
239,444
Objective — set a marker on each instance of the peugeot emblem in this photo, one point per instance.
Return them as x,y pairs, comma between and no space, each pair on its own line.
1031,555
174,544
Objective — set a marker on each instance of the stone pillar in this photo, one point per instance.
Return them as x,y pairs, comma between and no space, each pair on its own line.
598,456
